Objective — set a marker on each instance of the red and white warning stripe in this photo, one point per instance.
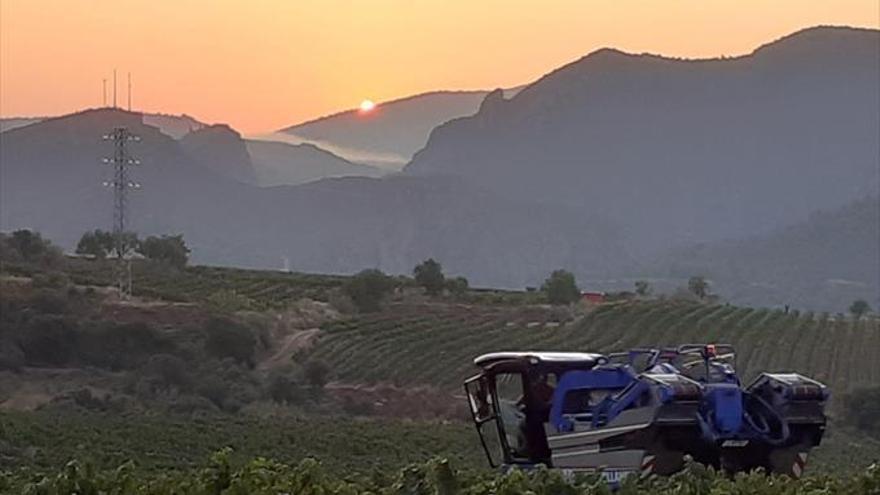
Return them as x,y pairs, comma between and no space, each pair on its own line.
800,461
648,464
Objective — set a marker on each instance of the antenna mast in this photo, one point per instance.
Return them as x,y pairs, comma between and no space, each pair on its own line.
114,88
129,91
104,87
121,184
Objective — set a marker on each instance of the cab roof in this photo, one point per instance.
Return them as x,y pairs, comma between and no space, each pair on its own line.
585,359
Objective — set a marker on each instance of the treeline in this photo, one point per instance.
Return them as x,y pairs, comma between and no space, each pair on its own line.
266,477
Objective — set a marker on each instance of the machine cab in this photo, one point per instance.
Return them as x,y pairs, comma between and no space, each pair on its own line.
511,400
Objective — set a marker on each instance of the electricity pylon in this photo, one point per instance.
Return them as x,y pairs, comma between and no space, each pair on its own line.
121,184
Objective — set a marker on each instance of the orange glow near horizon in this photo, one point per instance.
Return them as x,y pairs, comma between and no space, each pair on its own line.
264,65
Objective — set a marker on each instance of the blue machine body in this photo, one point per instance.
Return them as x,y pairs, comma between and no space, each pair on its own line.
645,410
725,412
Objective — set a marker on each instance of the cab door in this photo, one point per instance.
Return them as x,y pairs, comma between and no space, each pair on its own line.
496,408
484,411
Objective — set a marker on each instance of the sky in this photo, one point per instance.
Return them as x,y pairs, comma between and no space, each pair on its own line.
261,65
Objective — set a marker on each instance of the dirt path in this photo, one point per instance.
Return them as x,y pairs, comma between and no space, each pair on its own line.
290,346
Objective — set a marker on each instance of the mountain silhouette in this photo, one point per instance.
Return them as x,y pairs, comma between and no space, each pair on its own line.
51,174
391,133
752,171
277,163
221,148
683,151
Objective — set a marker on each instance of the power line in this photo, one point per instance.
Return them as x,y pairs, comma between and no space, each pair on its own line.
121,184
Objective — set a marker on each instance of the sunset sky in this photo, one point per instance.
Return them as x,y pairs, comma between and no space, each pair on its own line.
260,65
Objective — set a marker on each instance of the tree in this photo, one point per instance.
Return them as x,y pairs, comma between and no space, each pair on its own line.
368,288
561,288
170,249
859,308
429,274
30,245
457,286
699,287
228,338
643,288
97,243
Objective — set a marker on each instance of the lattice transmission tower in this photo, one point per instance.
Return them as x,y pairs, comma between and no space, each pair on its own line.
122,184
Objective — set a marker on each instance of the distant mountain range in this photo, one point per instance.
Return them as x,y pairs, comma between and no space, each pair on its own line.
683,151
391,133
221,148
175,126
278,163
759,172
50,176
827,261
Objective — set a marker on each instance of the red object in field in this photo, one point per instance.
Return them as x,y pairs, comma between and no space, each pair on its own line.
593,297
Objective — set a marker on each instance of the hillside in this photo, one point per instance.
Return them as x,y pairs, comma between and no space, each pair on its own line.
147,378
222,150
7,124
175,126
683,151
435,344
391,133
826,262
277,163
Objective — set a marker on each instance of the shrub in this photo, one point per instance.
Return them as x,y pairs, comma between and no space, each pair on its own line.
283,389
859,308
29,245
863,409
48,301
429,274
168,249
457,286
51,280
97,243
316,373
166,372
215,390
226,338
561,288
368,288
120,346
48,340
699,287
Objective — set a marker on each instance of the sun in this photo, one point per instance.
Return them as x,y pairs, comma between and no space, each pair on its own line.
367,106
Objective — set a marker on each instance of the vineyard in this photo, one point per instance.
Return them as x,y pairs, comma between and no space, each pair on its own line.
47,439
238,288
221,476
435,344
